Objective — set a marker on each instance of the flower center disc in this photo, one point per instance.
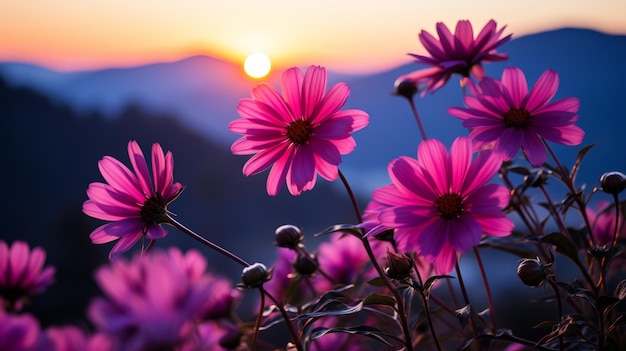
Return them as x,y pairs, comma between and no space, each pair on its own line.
449,206
300,131
154,210
516,118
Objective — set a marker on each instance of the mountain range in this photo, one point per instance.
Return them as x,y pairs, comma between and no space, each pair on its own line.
203,93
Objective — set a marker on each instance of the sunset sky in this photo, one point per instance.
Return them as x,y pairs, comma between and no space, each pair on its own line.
349,36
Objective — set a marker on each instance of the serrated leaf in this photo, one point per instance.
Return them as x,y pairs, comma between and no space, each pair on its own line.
563,245
344,228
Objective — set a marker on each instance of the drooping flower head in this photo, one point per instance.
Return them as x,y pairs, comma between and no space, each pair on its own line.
440,203
156,300
136,206
458,53
299,134
505,114
22,273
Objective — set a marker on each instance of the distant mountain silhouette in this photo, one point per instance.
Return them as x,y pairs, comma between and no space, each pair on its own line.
51,155
203,92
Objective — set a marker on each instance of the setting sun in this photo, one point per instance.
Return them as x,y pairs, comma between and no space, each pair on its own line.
257,65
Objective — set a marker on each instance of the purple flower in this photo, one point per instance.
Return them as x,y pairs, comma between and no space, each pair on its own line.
440,205
343,258
18,332
156,300
66,338
460,53
22,273
505,114
603,223
299,134
136,206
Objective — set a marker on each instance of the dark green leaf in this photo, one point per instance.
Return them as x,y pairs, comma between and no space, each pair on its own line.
344,228
606,303
562,244
428,284
377,282
620,290
360,330
333,308
576,167
464,314
379,299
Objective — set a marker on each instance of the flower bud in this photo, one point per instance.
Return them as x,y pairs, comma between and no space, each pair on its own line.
288,236
400,265
532,272
305,264
406,88
255,275
613,182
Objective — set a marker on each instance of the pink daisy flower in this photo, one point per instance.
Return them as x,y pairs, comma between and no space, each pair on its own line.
506,114
299,134
156,301
460,53
18,332
440,203
136,206
22,273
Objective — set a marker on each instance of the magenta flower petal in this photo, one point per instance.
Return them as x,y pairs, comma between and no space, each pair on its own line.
506,114
458,53
134,204
439,204
22,274
157,300
300,134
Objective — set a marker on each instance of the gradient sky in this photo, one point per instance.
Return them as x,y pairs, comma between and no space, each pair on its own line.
343,35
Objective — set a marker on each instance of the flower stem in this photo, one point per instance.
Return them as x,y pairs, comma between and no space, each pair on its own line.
292,330
492,310
257,324
617,222
560,307
379,270
465,296
355,204
211,245
426,304
417,118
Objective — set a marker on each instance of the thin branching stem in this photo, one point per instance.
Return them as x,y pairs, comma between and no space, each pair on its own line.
401,312
560,307
465,296
492,309
417,118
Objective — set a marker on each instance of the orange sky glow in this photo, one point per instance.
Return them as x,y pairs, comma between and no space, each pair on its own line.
347,36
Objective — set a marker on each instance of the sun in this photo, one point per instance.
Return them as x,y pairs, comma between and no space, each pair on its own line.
257,65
